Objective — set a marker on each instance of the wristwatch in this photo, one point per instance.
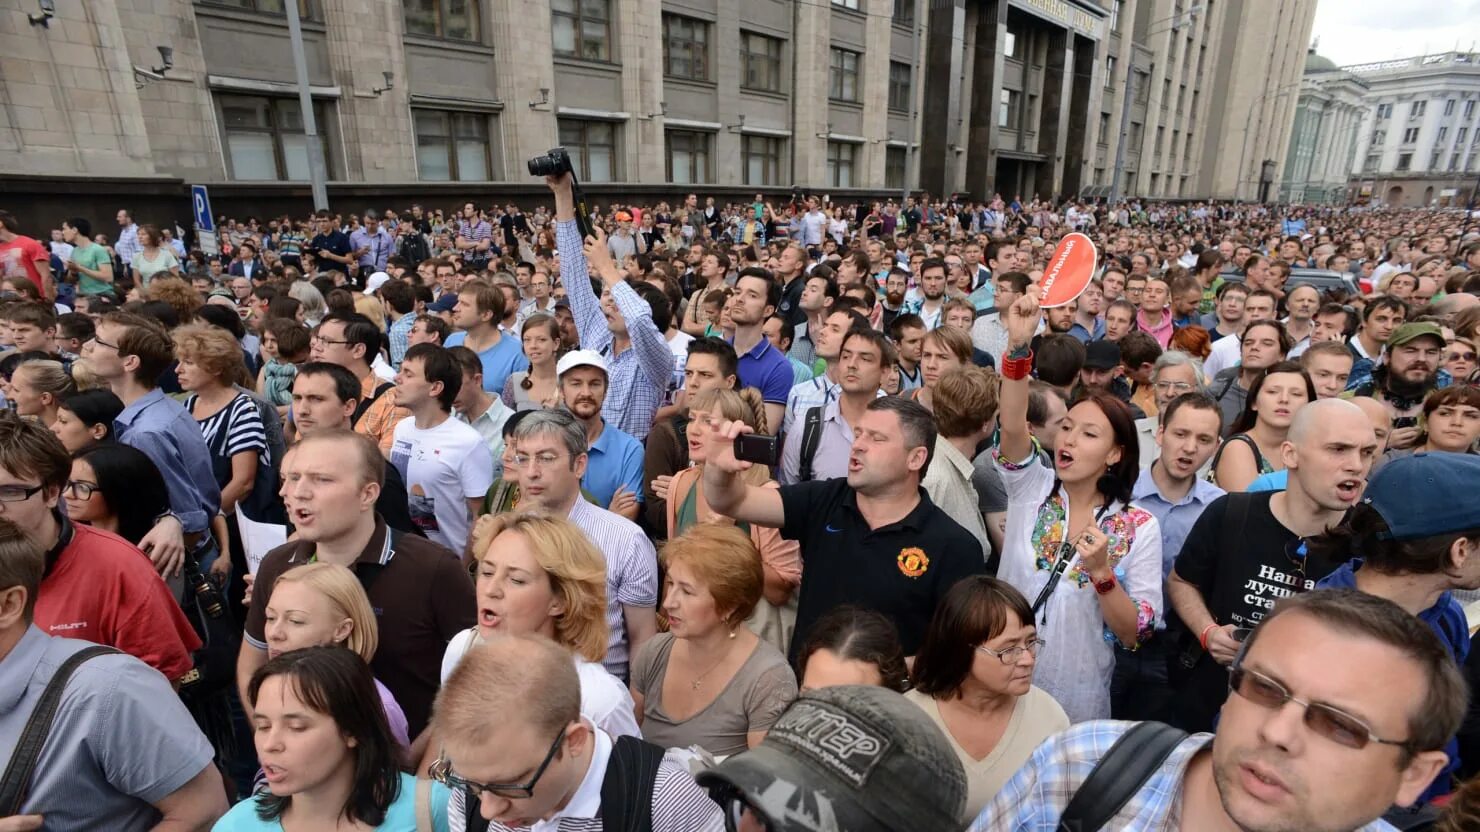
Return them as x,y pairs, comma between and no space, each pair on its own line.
1102,587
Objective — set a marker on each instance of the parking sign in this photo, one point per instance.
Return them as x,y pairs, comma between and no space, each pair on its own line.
204,220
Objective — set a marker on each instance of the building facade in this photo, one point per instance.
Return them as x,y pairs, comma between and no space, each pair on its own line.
1323,140
1418,143
443,99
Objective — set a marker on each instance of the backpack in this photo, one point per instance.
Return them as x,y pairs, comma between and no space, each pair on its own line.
811,438
626,789
364,405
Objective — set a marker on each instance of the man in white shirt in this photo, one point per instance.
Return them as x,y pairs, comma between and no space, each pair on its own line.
446,465
814,225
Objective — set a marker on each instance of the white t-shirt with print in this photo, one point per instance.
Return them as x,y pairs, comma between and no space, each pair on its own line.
443,467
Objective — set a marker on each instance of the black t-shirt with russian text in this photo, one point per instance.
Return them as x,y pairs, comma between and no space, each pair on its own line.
1243,560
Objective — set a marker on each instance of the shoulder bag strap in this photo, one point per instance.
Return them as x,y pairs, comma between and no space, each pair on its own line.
627,788
423,805
27,752
811,438
1124,769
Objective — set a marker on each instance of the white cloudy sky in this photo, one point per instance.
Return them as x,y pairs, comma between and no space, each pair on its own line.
1357,31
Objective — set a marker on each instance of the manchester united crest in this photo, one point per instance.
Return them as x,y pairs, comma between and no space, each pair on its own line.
913,562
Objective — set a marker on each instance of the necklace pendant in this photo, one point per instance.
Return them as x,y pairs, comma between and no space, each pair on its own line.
695,683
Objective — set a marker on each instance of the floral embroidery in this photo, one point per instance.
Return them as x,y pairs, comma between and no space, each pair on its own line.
1048,536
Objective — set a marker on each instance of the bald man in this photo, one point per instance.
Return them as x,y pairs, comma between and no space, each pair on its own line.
1245,551
1382,425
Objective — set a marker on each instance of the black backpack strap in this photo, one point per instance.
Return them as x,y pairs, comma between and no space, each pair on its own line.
361,407
1124,769
627,788
811,438
17,779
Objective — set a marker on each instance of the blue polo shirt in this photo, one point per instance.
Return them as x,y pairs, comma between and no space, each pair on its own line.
613,461
767,370
1274,481
1174,519
499,361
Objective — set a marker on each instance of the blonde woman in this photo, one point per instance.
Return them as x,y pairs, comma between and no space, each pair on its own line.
324,604
37,388
540,575
775,618
370,307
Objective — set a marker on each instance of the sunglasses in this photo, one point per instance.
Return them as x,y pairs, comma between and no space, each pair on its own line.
441,771
1324,720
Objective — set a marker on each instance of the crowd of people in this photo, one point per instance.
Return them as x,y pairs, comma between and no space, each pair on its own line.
766,516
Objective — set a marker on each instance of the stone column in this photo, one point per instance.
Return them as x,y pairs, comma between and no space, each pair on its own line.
986,81
523,65
940,109
639,25
364,39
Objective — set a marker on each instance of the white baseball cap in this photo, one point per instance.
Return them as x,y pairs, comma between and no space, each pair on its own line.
376,281
581,358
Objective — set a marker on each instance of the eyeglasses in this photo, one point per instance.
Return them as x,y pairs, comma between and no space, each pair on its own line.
80,489
441,771
321,340
1178,387
541,461
1336,725
18,493
100,342
1013,655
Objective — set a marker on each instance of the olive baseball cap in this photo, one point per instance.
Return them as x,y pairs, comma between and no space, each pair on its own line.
1415,330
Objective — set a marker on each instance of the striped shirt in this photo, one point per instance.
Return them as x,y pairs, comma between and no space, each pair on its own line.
631,573
475,232
243,428
128,243
679,804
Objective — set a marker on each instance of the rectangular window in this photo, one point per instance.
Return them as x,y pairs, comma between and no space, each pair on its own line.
1379,136
760,62
688,157
1135,137
1461,133
1115,15
449,19
1469,109
1007,109
904,14
1009,45
581,29
1416,109
451,146
1404,161
685,48
1410,135
842,75
1140,80
899,86
1103,137
1454,161
761,158
1371,163
306,9
1443,131
593,148
847,4
840,164
265,140
1449,107
896,160
1110,71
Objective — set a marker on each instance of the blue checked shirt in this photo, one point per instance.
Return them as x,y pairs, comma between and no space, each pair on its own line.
638,377
398,333
1035,797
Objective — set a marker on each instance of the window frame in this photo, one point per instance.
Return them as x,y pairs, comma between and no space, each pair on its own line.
698,47
772,64
440,14
896,166
769,150
275,130
901,17
901,93
581,160
706,148
835,162
838,74
307,9
452,138
578,19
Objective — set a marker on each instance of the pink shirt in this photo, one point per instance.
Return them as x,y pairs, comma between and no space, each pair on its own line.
1162,332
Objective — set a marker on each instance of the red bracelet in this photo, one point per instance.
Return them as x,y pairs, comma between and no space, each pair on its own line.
1203,638
1017,369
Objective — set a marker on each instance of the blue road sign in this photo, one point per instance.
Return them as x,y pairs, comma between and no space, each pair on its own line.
201,202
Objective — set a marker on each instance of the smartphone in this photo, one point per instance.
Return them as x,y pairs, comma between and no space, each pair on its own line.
759,448
1405,422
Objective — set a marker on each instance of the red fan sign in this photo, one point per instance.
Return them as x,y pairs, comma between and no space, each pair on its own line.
1069,270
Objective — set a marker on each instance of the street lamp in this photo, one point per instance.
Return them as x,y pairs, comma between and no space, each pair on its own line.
1178,21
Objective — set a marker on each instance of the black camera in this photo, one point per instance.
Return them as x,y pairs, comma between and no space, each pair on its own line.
554,163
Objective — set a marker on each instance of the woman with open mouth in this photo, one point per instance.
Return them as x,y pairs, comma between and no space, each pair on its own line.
1089,561
1253,447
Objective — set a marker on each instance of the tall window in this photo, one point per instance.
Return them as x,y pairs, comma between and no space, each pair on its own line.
1416,109
688,157
451,147
1009,45
265,140
1459,135
1384,111
581,29
1115,15
899,86
1410,135
840,164
450,19
1405,160
306,8
1443,132
842,76
760,62
593,148
1449,107
895,161
1469,109
1370,164
685,48
904,14
761,158
1110,71
1007,109
1103,137
847,4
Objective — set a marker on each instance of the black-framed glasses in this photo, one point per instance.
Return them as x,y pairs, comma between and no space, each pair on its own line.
81,489
1013,655
18,493
441,771
100,342
322,340
1324,720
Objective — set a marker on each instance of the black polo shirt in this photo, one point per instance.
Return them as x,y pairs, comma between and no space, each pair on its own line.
902,570
422,597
